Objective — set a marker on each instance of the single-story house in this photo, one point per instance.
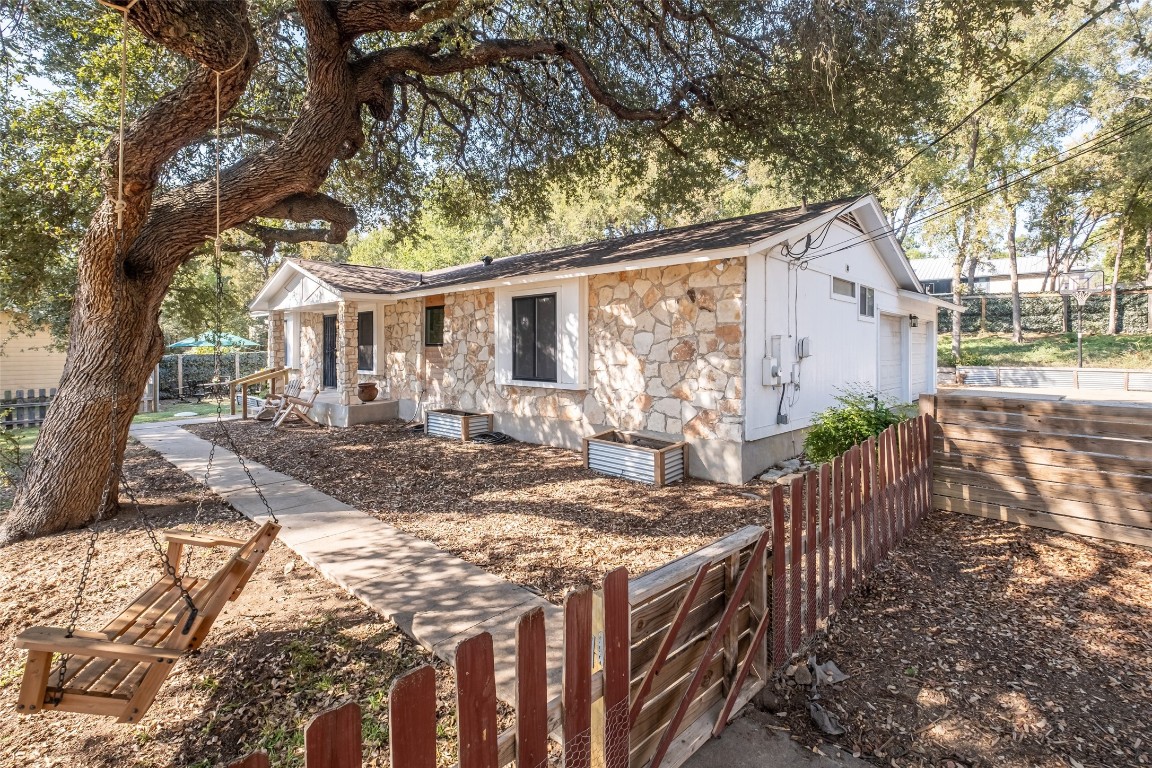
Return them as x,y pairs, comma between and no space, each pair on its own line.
707,333
29,360
992,276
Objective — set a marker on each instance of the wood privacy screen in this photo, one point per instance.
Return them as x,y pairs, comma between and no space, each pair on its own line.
836,523
1085,468
656,666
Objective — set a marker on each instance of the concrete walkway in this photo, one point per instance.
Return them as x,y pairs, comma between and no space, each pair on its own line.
434,597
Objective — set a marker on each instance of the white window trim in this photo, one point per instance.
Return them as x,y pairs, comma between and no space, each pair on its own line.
838,297
875,307
571,333
376,327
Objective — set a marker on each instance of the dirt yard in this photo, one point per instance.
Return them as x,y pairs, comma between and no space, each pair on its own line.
529,513
293,645
987,644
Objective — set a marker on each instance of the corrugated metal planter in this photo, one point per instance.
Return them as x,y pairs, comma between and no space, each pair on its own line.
635,457
459,425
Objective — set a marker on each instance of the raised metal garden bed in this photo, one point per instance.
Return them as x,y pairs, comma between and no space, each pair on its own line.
635,457
459,425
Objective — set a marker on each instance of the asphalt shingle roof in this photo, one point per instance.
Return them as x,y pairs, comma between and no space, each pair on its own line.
727,233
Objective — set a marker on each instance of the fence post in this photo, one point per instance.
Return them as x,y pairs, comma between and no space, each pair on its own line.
476,703
779,580
180,375
412,719
531,693
577,680
332,738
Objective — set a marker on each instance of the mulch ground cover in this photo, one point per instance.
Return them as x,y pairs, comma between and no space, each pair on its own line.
291,646
982,643
529,513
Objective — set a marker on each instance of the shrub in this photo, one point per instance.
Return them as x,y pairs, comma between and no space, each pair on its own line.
858,415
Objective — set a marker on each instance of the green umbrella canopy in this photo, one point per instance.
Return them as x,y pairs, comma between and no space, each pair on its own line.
209,340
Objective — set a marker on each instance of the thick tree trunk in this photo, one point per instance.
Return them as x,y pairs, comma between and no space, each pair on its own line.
115,341
1014,277
1113,289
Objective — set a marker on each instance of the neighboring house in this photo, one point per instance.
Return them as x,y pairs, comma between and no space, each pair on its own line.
28,361
706,333
991,276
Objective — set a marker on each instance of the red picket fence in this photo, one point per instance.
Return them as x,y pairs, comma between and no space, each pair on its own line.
839,521
654,667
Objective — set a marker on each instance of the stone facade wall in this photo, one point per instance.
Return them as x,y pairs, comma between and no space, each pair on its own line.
400,347
665,354
277,351
347,338
311,349
667,348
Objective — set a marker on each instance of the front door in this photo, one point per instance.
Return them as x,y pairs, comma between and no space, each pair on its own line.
330,351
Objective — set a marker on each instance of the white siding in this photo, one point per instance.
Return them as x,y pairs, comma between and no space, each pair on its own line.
796,304
918,362
27,362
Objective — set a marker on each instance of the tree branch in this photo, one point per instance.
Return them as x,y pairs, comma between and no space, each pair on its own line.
359,18
375,73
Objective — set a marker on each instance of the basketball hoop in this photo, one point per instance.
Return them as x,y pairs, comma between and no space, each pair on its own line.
1080,285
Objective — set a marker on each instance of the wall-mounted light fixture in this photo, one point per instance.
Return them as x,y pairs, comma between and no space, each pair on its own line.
913,321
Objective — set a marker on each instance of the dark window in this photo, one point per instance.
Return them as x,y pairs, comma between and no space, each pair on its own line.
534,338
434,326
867,301
365,342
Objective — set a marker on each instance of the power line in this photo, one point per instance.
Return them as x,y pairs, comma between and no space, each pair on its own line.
972,113
949,206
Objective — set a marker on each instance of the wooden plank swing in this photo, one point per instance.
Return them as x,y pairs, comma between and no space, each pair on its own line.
118,671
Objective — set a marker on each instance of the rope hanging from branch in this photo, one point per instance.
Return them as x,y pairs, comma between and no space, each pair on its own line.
123,9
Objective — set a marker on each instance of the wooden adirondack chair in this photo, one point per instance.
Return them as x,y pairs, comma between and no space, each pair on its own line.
118,671
278,403
298,407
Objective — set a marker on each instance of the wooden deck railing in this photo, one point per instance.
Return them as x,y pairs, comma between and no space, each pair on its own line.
270,375
26,408
656,666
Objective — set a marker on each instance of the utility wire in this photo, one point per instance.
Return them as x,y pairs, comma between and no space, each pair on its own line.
1032,67
949,206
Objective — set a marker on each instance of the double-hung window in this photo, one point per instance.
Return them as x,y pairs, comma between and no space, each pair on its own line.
534,337
365,342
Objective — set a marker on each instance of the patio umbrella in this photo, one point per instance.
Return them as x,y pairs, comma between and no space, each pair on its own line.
209,340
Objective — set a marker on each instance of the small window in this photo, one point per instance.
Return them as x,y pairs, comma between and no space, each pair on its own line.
365,342
534,338
841,287
434,326
867,301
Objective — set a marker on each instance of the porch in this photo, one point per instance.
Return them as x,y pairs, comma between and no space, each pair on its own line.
329,410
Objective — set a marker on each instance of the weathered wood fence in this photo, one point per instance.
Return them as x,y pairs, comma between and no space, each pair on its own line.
840,521
25,408
655,666
1085,468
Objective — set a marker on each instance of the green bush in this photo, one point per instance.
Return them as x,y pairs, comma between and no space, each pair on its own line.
858,415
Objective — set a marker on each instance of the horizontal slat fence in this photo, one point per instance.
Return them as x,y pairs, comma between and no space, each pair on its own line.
836,523
25,408
1085,468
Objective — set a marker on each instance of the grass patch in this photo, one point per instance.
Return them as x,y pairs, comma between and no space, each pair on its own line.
169,409
1054,350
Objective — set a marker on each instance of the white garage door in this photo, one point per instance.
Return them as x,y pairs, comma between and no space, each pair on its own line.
890,361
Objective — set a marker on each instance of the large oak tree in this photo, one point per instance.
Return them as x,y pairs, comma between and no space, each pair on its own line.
348,105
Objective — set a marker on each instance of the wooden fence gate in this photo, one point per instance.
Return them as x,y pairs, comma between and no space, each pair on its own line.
1085,468
655,666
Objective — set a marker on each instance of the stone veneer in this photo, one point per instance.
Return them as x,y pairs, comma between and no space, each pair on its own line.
347,346
400,346
311,350
276,350
665,354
